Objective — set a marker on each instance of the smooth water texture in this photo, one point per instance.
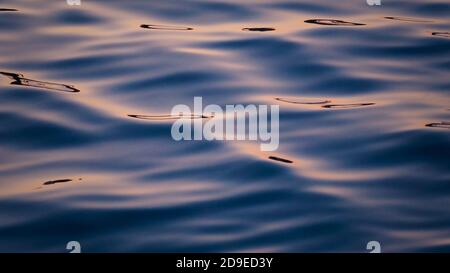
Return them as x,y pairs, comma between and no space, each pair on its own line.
87,155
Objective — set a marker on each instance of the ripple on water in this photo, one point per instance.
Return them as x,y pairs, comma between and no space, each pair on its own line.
444,124
332,22
280,159
169,117
347,105
19,79
441,34
57,181
258,29
7,9
303,101
408,19
164,27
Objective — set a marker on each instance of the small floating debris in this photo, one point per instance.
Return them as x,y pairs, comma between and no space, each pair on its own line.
332,22
441,34
303,101
162,27
281,159
406,19
260,29
349,105
169,117
6,9
19,79
443,124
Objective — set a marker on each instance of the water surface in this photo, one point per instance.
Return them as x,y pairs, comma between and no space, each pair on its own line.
364,116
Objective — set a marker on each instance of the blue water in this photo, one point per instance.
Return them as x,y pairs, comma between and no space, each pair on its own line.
371,166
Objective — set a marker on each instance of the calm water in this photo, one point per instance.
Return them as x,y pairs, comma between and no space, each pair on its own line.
364,126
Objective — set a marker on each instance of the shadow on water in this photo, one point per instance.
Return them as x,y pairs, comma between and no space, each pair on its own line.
19,79
332,22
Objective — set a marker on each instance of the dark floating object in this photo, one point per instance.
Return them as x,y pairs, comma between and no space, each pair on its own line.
162,27
303,102
260,29
168,117
332,22
281,159
349,105
443,124
19,79
6,9
406,19
441,34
